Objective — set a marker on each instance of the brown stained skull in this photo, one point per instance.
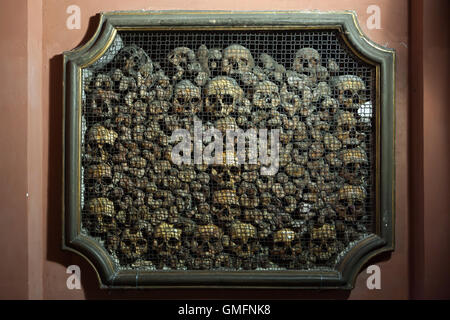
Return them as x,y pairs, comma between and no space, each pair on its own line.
225,205
244,240
266,95
101,215
187,98
132,245
350,90
222,96
207,241
166,240
237,60
322,245
353,162
286,245
351,202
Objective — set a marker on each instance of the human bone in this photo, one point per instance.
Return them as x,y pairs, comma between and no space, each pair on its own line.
207,240
132,244
237,59
187,98
351,202
286,244
350,90
225,205
267,95
166,240
102,215
346,129
353,161
222,95
322,245
244,240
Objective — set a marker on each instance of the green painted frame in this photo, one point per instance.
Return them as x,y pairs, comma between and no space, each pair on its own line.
346,271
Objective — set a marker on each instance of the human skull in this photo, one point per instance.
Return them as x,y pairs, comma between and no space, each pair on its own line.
99,173
286,245
187,98
346,130
132,245
166,240
237,60
225,205
322,244
350,90
101,215
222,95
207,240
244,241
131,59
353,161
266,95
99,135
227,175
182,59
351,202
307,61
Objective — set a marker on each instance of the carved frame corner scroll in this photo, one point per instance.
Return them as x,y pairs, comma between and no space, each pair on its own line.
109,275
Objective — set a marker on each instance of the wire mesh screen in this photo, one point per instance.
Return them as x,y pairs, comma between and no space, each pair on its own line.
163,189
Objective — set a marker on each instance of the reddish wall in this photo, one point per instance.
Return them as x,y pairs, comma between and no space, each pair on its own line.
45,274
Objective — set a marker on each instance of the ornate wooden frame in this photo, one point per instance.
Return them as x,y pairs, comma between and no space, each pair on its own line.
346,22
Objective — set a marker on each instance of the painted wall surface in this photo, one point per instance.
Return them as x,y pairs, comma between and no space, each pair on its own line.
31,107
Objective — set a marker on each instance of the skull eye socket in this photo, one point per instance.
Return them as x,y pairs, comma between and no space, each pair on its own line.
173,241
348,94
228,99
279,244
180,100
234,170
361,93
160,241
237,242
107,219
141,243
300,94
358,204
127,242
195,100
305,63
214,239
252,240
350,167
212,99
344,202
244,61
345,127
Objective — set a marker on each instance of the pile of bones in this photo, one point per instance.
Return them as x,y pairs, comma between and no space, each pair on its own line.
151,213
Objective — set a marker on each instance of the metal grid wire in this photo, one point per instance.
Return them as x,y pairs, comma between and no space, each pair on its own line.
152,214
